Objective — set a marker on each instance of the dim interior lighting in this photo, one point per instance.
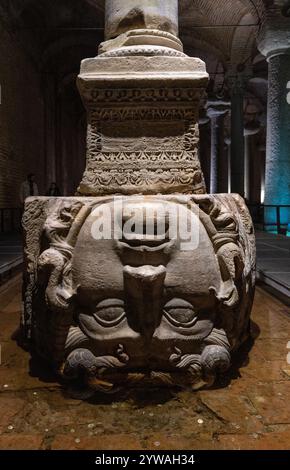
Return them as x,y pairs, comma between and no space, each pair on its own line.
262,195
286,9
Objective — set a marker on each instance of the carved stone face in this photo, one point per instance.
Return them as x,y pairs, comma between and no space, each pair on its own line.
149,295
140,302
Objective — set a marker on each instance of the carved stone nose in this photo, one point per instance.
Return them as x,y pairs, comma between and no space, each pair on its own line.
144,291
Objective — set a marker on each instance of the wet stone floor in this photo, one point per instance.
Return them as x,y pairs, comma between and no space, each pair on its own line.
249,410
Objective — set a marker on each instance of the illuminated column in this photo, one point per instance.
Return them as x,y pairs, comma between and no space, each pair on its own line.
274,44
249,131
262,154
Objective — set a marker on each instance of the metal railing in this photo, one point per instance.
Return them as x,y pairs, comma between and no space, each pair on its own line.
10,219
258,213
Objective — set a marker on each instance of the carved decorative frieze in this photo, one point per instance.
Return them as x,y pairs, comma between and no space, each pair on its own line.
140,95
130,149
155,286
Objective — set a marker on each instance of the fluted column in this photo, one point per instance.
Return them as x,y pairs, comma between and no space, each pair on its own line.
274,44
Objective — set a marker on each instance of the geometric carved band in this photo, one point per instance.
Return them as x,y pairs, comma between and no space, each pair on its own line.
139,95
141,141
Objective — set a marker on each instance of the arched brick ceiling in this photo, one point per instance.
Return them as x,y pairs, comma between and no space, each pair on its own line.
214,23
222,24
222,32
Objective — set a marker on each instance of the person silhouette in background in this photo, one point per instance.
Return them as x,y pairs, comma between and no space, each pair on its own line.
28,188
53,190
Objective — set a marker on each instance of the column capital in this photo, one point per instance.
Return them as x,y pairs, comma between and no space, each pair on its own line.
203,117
216,108
274,37
252,128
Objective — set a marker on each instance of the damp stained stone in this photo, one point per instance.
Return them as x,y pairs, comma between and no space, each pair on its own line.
110,312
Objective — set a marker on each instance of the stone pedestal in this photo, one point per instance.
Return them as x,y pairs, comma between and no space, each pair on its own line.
142,278
143,122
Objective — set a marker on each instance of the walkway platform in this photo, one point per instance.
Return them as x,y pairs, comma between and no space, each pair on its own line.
273,265
11,255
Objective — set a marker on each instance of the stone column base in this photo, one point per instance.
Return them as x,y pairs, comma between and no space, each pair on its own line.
152,288
143,105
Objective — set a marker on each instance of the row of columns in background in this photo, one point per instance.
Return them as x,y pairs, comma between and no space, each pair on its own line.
232,163
236,163
245,173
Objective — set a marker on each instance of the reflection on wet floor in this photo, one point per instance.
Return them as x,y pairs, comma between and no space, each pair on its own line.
248,410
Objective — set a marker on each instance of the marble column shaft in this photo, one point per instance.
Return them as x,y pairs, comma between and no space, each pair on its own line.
278,135
274,44
217,144
123,16
237,141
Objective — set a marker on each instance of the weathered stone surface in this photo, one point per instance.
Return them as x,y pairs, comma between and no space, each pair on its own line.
170,419
270,400
142,123
273,349
274,36
236,411
254,441
142,42
104,298
20,442
155,289
142,96
270,371
133,14
10,407
159,442
113,442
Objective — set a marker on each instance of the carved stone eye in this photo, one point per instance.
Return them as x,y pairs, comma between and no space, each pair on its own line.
180,313
110,312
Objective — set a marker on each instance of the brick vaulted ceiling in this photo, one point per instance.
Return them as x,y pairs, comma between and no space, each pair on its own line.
212,24
221,32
